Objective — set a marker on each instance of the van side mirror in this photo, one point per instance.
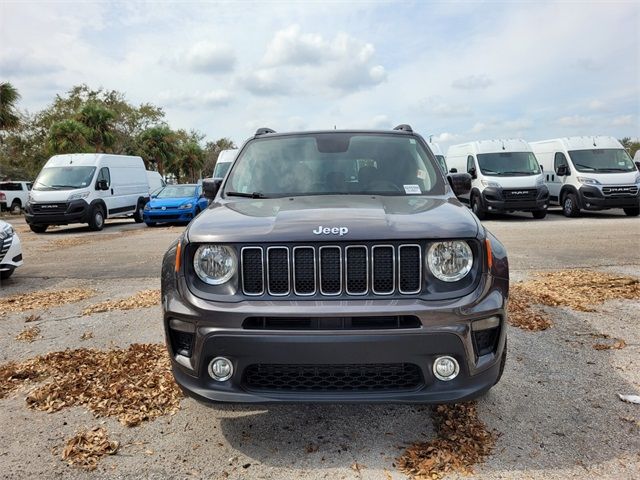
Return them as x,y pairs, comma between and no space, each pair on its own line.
453,170
541,168
460,183
102,185
210,187
562,170
637,164
472,172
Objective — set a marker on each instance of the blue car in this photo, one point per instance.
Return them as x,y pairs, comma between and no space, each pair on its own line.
174,203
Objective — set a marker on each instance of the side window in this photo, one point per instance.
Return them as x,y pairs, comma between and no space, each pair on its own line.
103,174
559,160
470,164
29,185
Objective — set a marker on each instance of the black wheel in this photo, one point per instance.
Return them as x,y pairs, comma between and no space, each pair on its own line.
96,221
539,213
16,207
137,216
4,274
38,228
632,211
477,208
503,362
150,224
570,206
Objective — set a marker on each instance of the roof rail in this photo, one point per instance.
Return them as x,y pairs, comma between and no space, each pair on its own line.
263,130
404,128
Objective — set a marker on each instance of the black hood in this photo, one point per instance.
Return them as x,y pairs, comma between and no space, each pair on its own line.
294,219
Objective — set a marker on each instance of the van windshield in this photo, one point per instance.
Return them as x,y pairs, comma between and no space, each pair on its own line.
603,160
334,164
64,178
221,169
508,163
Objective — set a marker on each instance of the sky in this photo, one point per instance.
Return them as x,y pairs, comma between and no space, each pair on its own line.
455,71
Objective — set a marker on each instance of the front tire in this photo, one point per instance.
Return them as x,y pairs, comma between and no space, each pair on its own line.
570,207
477,208
632,211
16,207
5,274
539,214
503,362
150,224
96,222
38,228
137,215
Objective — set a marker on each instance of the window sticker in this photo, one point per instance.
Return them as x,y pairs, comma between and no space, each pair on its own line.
421,174
412,189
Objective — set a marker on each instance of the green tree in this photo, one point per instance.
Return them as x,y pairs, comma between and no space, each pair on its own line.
68,136
630,145
191,157
99,121
212,150
159,145
9,96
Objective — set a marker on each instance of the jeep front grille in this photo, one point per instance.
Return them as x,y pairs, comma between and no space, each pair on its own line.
331,270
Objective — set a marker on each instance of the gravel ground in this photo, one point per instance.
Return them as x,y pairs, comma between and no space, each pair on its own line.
556,409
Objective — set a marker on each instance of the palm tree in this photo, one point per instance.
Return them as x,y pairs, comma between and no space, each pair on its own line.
160,145
68,136
100,122
191,157
9,96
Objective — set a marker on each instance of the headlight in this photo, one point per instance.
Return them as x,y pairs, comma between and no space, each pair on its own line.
487,183
637,179
185,206
78,196
147,206
6,232
588,181
215,264
450,261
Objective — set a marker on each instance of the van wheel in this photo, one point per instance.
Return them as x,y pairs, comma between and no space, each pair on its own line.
16,207
570,206
137,216
38,228
96,222
539,214
476,207
632,211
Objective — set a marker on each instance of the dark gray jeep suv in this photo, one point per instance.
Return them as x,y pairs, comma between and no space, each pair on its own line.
336,266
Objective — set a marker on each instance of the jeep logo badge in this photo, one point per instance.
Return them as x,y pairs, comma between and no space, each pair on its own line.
331,230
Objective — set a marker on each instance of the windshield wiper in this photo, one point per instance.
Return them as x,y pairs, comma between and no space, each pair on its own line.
246,195
518,173
584,166
614,170
64,186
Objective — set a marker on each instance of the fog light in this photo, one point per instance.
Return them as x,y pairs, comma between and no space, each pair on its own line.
446,368
220,369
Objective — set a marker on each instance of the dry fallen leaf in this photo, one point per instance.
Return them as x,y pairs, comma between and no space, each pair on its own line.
617,344
87,447
32,318
142,299
28,334
86,336
43,299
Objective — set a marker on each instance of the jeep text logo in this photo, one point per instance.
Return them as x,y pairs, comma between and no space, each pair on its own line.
328,231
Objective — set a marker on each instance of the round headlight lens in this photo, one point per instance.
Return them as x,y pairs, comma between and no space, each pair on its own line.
215,264
450,261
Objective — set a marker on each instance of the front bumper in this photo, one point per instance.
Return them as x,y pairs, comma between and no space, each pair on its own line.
445,328
169,215
10,253
495,200
592,198
61,213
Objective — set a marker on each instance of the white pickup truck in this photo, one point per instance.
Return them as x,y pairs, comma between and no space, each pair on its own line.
14,195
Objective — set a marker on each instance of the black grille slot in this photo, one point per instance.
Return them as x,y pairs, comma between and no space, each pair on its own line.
521,194
252,271
278,270
182,342
49,207
330,270
485,340
333,378
304,270
383,269
357,270
624,191
331,323
410,268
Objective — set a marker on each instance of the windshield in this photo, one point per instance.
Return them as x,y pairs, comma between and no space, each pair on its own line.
177,191
221,169
605,160
64,178
334,163
508,163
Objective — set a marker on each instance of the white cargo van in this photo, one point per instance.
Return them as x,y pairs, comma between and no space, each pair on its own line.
505,174
156,182
590,173
225,159
87,188
437,152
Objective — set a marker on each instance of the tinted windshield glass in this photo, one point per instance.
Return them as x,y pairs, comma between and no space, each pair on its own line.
606,160
442,162
335,163
64,178
508,163
177,191
221,169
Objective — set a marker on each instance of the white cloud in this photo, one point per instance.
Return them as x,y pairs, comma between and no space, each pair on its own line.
472,82
445,137
517,124
381,122
597,105
438,106
574,121
208,99
291,47
266,82
208,57
626,120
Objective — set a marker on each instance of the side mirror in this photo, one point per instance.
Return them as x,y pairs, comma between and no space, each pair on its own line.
562,170
453,170
460,183
210,187
102,185
541,168
472,172
637,164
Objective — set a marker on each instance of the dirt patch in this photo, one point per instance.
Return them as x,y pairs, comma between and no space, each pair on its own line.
69,242
28,334
133,384
87,447
142,299
577,289
614,344
462,442
43,299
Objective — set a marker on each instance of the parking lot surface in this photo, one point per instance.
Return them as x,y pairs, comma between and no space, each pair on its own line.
556,410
